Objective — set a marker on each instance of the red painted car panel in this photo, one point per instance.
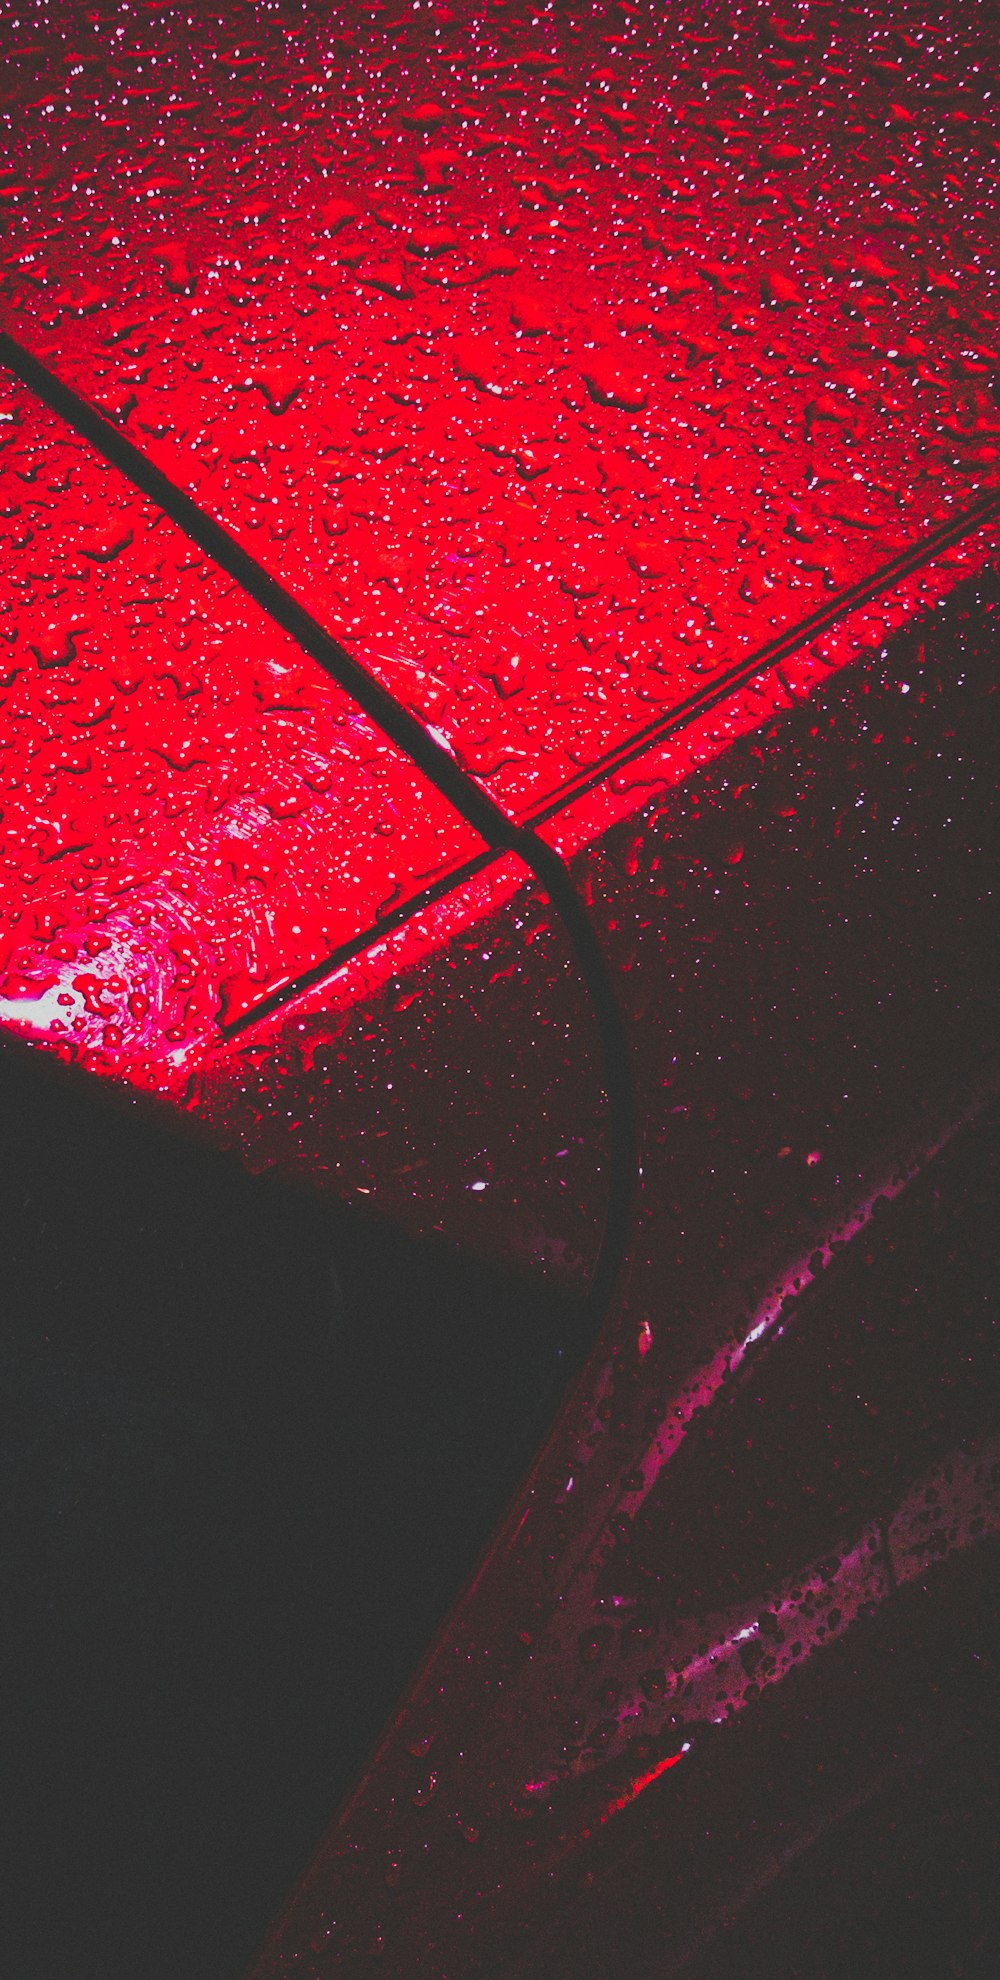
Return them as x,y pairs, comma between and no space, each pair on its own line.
619,390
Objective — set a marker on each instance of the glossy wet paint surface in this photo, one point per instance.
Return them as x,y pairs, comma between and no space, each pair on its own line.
619,391
732,277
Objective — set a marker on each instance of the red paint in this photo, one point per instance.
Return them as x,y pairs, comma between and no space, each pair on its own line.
560,367
552,422
641,1782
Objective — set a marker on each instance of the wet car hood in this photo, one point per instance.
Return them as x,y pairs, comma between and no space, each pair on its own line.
499,612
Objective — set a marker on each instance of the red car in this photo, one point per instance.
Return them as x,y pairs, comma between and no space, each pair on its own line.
499,594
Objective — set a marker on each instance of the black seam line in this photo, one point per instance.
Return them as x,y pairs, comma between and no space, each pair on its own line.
394,918
680,717
435,762
395,721
765,658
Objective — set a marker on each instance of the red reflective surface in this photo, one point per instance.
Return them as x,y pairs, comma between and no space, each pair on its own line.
559,365
620,388
192,812
732,279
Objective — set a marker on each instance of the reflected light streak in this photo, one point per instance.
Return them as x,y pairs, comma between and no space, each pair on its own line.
645,1780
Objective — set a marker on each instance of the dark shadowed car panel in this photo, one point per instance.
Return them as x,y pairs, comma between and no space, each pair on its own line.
500,518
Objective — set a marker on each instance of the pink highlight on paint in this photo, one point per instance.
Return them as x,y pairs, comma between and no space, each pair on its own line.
644,1781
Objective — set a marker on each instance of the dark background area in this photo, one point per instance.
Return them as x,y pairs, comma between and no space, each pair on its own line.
251,1447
